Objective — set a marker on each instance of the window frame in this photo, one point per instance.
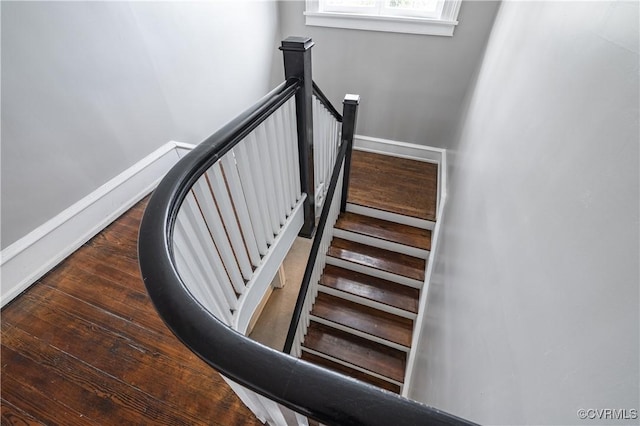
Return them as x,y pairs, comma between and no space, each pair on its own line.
443,25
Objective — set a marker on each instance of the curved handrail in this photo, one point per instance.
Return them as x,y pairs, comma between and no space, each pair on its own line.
329,397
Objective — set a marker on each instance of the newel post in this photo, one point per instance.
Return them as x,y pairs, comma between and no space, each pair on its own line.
349,118
297,64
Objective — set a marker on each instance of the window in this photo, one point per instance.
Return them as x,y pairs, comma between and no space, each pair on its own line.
433,17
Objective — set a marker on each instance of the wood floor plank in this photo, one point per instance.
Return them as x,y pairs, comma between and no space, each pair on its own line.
93,393
385,230
90,253
13,416
355,350
393,184
384,260
24,395
356,374
116,298
372,288
90,261
119,356
156,342
89,327
363,318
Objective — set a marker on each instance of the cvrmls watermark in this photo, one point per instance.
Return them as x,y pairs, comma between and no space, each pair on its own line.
608,413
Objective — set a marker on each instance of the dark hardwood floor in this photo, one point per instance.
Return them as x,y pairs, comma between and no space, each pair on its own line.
84,346
398,185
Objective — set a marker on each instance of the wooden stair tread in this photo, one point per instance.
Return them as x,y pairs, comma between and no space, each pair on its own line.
363,318
372,288
385,230
374,257
397,185
351,372
355,350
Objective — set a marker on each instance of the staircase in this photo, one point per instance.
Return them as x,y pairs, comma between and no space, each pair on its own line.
222,220
362,320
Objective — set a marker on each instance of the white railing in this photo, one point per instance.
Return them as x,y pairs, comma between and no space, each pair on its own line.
326,139
234,228
318,267
217,228
234,215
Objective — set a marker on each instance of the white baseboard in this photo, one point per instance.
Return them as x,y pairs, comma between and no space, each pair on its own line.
32,256
424,293
411,151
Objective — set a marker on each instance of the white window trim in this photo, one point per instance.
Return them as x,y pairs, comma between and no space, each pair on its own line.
397,24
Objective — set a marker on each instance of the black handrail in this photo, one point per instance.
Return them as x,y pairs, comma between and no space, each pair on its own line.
326,102
315,247
329,397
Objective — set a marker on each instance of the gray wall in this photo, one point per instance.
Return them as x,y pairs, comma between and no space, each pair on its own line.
533,313
90,88
412,87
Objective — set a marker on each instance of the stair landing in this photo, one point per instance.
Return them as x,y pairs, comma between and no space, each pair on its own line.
393,184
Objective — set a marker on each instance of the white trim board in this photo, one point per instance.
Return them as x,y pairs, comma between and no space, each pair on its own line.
32,256
424,293
390,217
408,150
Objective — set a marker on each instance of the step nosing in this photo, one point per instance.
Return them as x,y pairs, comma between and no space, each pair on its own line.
356,350
352,371
389,240
370,289
364,332
378,301
417,278
350,364
391,211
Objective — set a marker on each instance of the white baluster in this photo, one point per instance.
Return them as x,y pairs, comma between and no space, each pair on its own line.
189,264
195,224
294,145
334,139
282,161
273,408
325,147
275,169
253,238
317,147
207,206
223,201
254,194
302,419
182,253
260,180
250,399
286,170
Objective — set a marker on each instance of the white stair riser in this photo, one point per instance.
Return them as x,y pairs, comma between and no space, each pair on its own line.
359,333
380,243
366,302
374,272
391,217
355,367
